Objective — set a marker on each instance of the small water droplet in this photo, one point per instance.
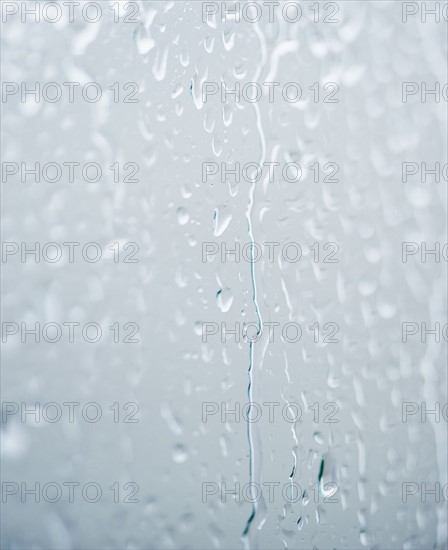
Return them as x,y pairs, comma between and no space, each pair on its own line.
180,454
222,217
224,298
182,216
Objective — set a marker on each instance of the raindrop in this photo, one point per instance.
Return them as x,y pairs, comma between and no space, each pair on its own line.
222,217
182,216
224,298
180,454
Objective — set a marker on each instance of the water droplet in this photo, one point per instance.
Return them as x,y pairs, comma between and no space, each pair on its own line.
222,217
142,38
182,216
180,454
224,298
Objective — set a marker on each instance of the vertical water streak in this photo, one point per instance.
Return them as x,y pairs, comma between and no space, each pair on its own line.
251,428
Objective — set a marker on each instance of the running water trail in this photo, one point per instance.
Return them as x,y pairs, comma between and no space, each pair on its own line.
255,451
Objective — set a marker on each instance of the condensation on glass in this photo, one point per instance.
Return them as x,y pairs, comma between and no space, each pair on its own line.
310,292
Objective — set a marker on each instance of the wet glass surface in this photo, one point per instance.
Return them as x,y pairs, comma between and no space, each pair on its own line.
232,330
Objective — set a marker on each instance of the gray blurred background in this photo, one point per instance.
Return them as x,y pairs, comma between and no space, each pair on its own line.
169,49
